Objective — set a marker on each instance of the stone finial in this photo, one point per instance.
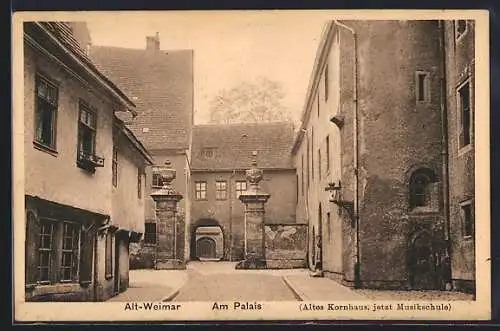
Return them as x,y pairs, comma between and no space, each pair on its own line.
167,175
254,175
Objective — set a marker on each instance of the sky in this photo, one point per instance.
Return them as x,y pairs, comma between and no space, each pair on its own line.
229,47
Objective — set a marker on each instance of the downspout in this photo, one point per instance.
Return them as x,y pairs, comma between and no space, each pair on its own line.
233,173
444,149
357,264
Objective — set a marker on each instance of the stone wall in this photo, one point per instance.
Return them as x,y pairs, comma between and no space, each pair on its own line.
286,246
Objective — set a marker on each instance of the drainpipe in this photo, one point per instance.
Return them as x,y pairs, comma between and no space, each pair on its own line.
444,145
356,152
233,173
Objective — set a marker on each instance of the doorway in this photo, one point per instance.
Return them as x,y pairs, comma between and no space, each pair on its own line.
206,248
423,262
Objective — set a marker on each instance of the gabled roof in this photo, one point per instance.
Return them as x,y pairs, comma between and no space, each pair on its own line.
161,85
58,40
231,146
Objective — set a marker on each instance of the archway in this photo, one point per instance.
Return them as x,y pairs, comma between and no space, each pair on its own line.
423,262
207,240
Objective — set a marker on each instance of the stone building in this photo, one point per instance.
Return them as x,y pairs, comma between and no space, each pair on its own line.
459,103
84,172
377,184
161,85
220,156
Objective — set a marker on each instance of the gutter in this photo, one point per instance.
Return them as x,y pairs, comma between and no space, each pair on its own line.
357,266
93,72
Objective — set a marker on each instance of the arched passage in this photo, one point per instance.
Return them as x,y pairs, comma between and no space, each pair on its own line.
207,240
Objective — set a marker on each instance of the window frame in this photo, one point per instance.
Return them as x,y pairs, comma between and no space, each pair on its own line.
239,187
155,180
74,251
52,146
426,95
150,236
319,164
52,250
57,252
114,166
326,82
219,190
200,190
429,198
467,203
462,147
327,153
139,183
108,255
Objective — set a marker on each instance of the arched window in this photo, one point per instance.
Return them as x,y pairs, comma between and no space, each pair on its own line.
421,188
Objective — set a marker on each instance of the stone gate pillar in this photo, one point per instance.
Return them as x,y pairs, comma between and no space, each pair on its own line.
166,200
254,200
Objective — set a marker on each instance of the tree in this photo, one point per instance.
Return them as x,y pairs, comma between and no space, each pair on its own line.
250,102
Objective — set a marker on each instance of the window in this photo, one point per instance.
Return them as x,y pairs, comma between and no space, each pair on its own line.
312,153
70,243
422,86
460,28
150,233
241,186
45,253
156,180
115,166
308,162
328,225
45,112
87,158
465,115
467,214
319,163
109,255
302,173
421,188
220,190
201,190
208,152
86,129
139,183
327,153
326,83
58,251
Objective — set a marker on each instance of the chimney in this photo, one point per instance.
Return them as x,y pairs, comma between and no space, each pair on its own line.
153,42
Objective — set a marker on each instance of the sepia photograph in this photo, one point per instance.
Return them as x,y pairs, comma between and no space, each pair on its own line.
243,165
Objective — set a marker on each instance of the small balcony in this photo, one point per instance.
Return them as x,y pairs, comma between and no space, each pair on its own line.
89,161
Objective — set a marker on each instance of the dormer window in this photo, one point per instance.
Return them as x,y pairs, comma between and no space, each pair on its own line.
208,152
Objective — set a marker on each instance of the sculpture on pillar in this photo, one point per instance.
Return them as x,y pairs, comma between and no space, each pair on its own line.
254,200
166,199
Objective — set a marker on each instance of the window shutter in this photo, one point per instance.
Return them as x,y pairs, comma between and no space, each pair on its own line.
86,255
31,249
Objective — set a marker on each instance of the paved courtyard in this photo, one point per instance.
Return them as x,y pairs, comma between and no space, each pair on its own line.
220,281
